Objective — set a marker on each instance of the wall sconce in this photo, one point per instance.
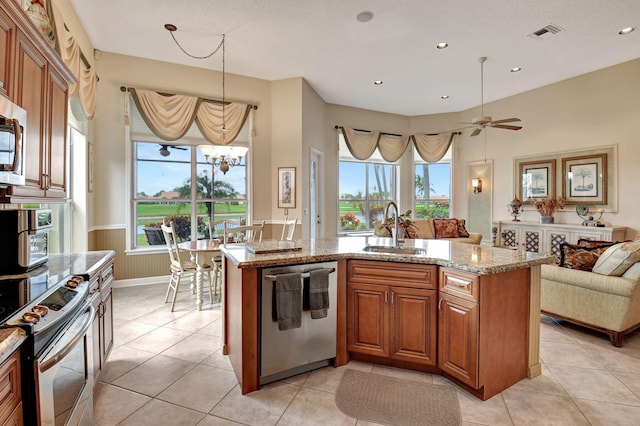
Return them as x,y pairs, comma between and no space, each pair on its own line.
477,185
223,156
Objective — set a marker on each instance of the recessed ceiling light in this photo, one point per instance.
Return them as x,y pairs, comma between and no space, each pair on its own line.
377,82
444,97
442,45
627,30
516,69
365,16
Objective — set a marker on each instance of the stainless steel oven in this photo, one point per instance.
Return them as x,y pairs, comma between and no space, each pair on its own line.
57,357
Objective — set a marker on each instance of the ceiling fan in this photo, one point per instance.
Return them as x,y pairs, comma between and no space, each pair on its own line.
486,121
164,149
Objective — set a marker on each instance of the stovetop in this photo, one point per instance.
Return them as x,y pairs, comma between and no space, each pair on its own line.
19,291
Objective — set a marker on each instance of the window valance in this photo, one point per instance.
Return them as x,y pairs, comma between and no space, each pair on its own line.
170,116
362,144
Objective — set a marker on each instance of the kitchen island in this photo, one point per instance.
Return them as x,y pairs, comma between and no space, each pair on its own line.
484,333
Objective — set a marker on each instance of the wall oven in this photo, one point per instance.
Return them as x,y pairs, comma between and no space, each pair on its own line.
57,374
12,131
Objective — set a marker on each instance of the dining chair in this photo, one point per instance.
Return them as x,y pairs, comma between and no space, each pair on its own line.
178,267
216,227
217,231
244,233
288,229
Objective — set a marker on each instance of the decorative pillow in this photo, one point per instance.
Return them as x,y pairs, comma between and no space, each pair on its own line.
462,231
424,228
410,232
380,230
617,259
582,242
446,228
573,256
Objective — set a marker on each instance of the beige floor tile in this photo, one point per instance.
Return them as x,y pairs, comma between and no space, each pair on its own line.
530,408
217,359
491,412
210,420
595,385
616,359
297,380
263,407
111,404
544,383
159,413
122,360
605,414
196,320
214,328
160,315
158,340
201,388
630,380
127,330
313,407
155,375
195,348
572,354
552,332
325,379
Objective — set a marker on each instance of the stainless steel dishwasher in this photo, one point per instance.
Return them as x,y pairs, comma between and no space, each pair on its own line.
285,353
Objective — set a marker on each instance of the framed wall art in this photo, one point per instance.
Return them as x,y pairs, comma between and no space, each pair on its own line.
536,179
585,179
286,187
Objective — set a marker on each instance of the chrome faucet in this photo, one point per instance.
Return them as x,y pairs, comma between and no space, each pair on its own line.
394,233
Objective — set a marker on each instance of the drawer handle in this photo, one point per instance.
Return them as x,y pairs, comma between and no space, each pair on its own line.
458,282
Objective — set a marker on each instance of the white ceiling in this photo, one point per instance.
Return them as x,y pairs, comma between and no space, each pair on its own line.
322,41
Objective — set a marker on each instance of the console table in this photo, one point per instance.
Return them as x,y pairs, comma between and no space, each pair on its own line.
547,237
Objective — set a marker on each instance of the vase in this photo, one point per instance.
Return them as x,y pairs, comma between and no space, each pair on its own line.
546,219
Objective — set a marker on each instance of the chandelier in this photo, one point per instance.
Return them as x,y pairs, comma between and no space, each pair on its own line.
221,156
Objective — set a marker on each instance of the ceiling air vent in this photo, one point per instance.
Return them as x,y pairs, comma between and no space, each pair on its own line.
545,32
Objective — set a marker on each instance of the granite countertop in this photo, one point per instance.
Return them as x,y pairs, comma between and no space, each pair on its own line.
10,340
482,260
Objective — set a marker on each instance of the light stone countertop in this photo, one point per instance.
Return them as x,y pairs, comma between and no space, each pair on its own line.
482,260
10,340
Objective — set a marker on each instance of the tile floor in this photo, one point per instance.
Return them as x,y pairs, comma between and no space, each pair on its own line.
167,369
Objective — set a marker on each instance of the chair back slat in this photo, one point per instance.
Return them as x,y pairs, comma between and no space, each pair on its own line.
288,229
172,245
216,227
244,233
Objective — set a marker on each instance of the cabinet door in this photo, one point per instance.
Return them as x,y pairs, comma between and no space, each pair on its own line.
7,36
532,240
458,338
413,325
95,345
56,142
107,326
368,320
32,78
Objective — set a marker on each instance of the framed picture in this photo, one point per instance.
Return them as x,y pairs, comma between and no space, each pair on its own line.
584,179
286,187
536,179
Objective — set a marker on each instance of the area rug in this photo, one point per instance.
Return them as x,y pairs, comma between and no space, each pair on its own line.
394,401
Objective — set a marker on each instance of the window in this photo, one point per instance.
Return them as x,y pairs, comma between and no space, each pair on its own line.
162,186
432,187
365,188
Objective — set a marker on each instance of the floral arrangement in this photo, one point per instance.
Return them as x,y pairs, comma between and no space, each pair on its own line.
349,221
549,205
405,223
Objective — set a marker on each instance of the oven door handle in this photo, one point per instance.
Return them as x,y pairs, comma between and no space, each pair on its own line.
59,356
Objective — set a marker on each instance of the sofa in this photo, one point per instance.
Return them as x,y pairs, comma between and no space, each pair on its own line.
441,229
603,295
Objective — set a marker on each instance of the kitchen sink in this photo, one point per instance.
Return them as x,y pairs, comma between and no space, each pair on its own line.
395,249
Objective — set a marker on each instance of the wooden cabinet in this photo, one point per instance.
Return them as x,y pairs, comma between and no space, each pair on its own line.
547,237
36,79
392,311
101,283
10,391
483,328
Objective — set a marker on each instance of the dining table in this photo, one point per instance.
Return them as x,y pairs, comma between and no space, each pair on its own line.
200,251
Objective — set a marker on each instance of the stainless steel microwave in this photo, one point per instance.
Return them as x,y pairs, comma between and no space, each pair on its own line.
13,120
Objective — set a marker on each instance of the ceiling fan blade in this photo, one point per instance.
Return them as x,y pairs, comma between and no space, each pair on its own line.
178,147
506,120
476,132
504,126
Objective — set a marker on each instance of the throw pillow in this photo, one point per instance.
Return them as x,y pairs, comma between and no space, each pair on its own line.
446,228
462,231
582,242
617,259
573,256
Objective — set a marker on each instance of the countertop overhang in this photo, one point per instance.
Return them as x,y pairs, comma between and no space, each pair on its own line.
478,259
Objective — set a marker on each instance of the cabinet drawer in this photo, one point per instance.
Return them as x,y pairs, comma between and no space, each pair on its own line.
10,395
106,276
391,273
459,284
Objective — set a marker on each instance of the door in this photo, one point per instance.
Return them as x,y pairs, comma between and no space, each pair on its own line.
458,338
413,325
315,214
368,319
